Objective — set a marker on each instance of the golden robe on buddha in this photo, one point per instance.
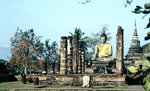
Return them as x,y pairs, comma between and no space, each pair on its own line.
104,50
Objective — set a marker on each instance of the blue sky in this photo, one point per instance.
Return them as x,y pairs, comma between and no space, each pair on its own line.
55,18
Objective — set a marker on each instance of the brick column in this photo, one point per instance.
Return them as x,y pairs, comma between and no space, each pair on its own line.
69,55
79,62
58,68
52,67
63,66
75,55
120,50
83,61
44,67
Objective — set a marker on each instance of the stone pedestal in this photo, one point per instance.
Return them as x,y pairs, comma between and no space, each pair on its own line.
103,67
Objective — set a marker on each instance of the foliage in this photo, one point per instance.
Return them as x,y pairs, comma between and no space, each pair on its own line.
144,10
6,63
132,69
145,71
146,48
49,51
49,54
24,49
146,81
146,65
82,44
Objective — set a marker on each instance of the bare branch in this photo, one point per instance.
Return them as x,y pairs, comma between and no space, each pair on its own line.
85,2
128,2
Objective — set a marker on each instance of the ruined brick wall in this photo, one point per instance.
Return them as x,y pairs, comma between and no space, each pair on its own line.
76,79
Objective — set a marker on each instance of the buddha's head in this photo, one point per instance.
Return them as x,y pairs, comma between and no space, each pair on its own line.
103,37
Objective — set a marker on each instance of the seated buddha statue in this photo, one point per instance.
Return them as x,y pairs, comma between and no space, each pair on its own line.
103,51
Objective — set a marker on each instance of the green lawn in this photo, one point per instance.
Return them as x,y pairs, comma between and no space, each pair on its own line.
15,84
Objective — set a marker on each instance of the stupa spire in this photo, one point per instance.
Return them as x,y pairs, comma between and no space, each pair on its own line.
135,30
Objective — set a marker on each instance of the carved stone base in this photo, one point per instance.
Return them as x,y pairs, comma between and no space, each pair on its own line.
103,67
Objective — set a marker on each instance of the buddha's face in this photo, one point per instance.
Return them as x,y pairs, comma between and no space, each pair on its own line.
103,39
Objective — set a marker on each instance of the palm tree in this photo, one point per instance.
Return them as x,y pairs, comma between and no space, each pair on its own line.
82,44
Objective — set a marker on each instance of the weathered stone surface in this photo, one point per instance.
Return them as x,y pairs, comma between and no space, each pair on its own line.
103,63
86,81
63,62
44,68
135,49
42,77
75,55
69,55
120,50
52,67
77,79
83,62
58,68
79,62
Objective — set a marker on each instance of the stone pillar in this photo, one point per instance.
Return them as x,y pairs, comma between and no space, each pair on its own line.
119,50
58,68
63,50
75,55
79,62
52,68
83,61
44,67
69,55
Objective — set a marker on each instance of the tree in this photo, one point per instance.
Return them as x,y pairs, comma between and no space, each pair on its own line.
24,49
95,39
48,52
82,44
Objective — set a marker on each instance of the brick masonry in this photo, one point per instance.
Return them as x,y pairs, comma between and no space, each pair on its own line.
76,79
120,50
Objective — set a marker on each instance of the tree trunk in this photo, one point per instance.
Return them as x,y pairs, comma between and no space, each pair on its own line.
23,78
25,70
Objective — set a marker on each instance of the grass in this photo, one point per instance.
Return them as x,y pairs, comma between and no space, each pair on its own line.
15,84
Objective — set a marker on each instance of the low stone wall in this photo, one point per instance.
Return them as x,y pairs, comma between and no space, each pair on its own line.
76,79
